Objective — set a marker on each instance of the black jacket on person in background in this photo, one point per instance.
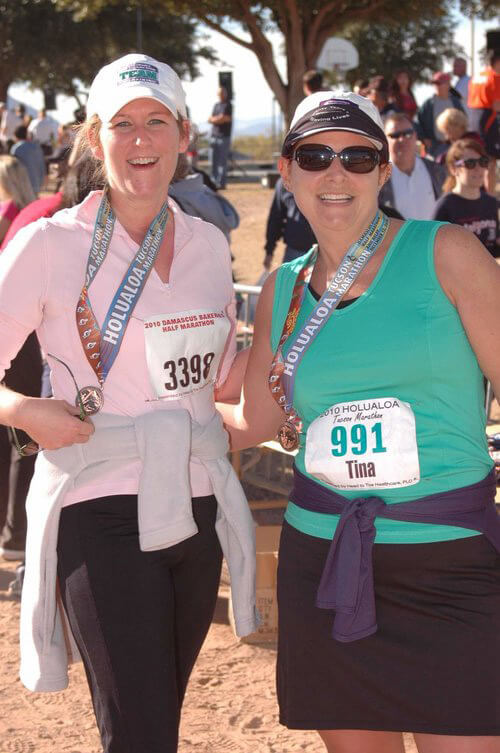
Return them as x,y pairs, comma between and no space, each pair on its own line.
286,221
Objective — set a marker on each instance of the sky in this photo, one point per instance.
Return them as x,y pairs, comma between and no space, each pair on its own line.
253,98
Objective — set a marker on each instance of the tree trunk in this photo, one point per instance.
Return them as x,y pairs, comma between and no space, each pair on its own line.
4,85
295,94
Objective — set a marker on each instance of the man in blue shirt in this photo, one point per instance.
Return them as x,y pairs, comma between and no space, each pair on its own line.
31,155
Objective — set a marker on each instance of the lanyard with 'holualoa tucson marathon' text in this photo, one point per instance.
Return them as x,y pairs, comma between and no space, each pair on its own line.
284,369
101,346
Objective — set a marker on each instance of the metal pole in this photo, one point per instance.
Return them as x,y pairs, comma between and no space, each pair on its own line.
472,45
139,27
273,127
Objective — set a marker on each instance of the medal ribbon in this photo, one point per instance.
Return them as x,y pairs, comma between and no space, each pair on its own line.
283,370
101,349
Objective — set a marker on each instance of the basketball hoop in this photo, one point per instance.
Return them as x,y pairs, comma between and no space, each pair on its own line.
338,54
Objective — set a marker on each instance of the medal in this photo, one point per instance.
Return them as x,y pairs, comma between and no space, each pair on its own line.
91,398
102,344
288,436
284,368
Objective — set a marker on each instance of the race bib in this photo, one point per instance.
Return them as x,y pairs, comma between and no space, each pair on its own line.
365,444
183,350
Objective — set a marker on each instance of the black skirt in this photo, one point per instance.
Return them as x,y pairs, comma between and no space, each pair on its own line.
433,664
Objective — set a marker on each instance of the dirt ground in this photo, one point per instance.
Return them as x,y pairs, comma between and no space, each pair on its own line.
230,704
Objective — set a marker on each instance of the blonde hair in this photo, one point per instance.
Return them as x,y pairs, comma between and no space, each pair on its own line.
452,118
15,182
87,137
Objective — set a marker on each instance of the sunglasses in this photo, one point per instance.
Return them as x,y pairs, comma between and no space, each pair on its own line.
26,447
354,159
30,447
406,134
472,162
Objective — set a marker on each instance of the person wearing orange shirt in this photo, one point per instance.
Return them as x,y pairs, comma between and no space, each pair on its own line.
484,102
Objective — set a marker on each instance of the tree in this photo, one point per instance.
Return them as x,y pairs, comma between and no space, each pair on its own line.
51,50
483,9
418,47
304,24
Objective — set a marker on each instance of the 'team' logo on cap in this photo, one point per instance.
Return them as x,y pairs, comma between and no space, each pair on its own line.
140,73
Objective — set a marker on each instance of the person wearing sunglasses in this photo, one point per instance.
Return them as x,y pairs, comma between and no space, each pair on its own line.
133,500
415,182
465,202
366,362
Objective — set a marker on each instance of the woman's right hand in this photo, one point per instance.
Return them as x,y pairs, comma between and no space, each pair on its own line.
53,423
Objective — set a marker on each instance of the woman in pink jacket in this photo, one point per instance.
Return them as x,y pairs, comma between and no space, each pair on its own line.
133,303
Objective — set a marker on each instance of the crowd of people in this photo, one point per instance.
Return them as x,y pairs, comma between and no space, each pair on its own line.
120,376
420,140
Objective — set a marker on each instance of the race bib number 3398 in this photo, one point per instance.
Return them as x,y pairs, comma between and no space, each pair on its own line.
365,444
183,350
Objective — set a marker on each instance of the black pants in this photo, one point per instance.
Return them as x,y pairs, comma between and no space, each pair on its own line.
15,479
139,618
24,376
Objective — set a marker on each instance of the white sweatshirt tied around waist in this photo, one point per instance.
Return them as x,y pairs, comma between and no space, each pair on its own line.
164,442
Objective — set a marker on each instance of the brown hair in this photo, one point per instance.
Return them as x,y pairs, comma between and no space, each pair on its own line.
87,137
80,180
398,117
455,153
313,79
395,91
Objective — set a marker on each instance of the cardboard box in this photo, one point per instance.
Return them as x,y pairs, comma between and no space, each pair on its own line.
267,542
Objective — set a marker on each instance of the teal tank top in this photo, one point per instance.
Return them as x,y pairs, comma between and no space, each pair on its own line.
401,338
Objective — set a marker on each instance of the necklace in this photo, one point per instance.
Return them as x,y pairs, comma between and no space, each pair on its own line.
284,369
101,345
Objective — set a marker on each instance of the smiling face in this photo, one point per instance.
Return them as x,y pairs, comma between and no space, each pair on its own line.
139,147
466,178
335,199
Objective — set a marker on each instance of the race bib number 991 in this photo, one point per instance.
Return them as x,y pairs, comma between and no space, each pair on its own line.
367,444
183,350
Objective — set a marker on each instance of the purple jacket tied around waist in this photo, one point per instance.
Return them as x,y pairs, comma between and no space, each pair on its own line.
347,581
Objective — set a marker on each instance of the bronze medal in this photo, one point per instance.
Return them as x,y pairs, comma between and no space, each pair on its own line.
288,436
91,398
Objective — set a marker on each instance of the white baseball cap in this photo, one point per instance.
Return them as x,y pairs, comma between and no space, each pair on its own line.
336,111
133,77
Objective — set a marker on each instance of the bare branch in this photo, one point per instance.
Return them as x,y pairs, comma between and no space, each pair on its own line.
264,50
320,29
325,23
284,23
218,27
259,38
360,13
297,42
320,18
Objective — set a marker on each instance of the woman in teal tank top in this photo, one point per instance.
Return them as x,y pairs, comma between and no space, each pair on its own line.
369,352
